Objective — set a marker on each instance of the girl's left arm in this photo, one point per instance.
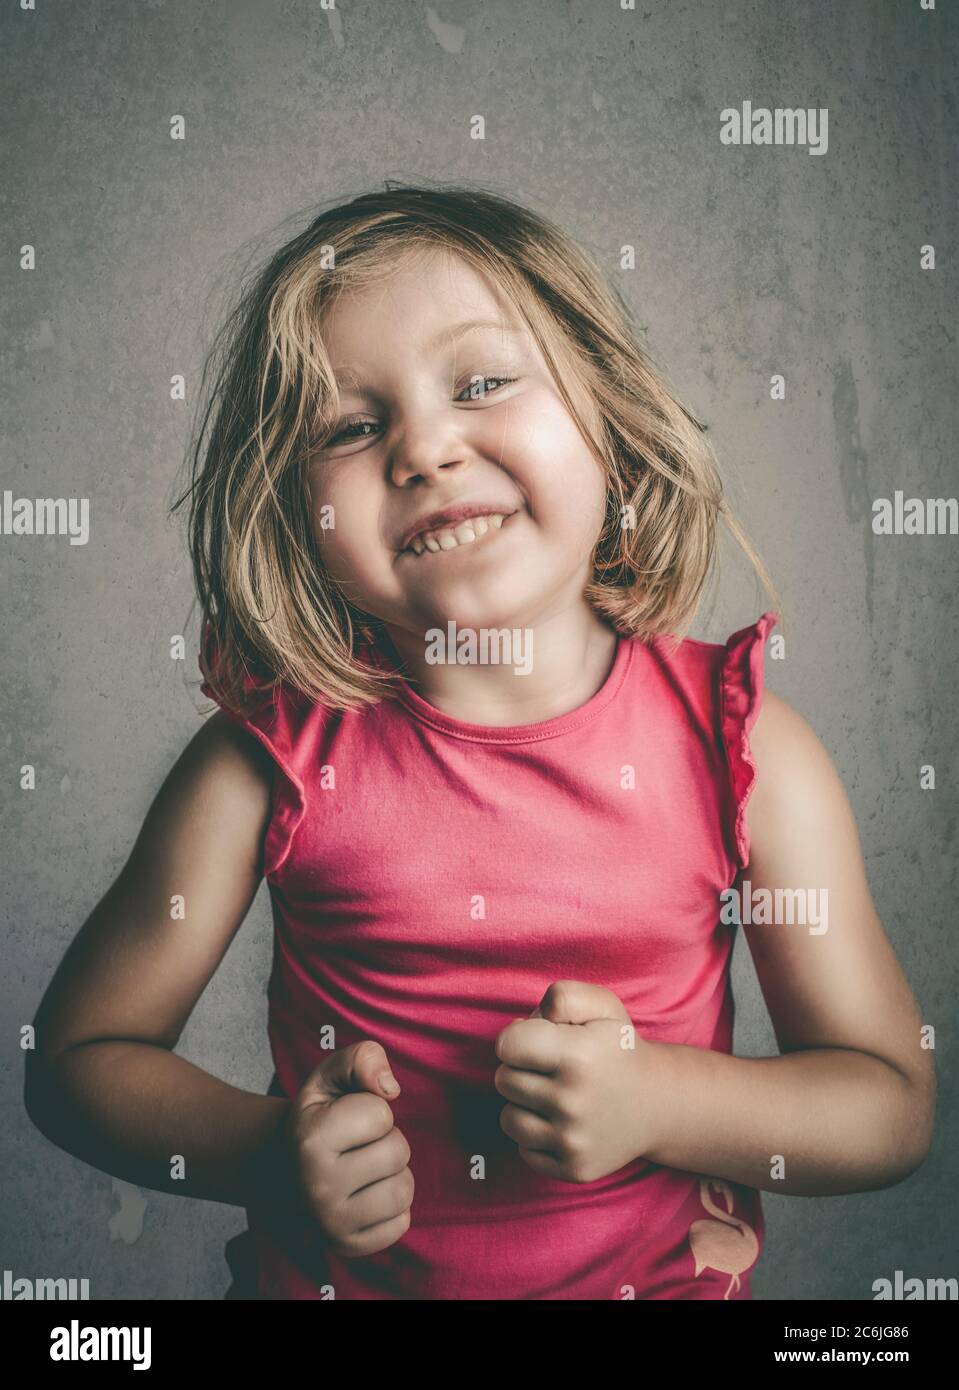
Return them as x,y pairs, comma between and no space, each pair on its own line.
849,1105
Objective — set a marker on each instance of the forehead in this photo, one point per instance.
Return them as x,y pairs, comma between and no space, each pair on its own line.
421,303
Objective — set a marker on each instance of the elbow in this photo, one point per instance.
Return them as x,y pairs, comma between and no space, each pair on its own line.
35,1098
40,1095
917,1124
924,1145
923,1092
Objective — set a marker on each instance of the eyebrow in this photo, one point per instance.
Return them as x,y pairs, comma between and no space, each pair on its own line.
346,375
459,330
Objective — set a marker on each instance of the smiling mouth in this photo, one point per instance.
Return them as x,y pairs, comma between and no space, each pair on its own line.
463,536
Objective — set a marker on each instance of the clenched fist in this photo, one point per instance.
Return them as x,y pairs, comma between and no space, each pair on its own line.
350,1160
581,1083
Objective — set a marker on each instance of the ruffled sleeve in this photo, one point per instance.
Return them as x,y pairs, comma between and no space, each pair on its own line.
274,726
741,698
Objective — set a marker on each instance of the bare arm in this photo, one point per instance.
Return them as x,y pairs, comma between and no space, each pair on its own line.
104,1082
850,1105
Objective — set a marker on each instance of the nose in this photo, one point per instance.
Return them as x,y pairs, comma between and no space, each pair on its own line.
428,446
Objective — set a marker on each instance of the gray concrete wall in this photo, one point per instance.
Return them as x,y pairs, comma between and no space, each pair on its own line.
750,261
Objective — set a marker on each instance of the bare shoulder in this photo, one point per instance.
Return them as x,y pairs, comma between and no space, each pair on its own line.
799,820
795,776
223,779
212,808
231,749
780,733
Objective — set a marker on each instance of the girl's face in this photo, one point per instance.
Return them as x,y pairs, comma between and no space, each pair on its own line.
447,403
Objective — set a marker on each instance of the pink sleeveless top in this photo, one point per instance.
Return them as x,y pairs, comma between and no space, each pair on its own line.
600,842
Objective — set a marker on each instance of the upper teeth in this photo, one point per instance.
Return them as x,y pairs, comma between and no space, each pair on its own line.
448,537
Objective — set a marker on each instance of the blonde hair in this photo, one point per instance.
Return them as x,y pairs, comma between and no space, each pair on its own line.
270,611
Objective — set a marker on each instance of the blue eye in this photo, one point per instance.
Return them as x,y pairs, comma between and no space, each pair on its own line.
344,433
478,388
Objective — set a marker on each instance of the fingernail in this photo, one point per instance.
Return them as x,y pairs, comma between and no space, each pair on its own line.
388,1082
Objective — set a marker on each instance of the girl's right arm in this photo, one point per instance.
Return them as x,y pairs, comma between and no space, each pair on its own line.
103,1081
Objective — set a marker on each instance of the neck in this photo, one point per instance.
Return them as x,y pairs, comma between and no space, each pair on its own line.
507,676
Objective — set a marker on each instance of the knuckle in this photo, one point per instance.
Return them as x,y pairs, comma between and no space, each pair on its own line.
316,1157
401,1144
568,1107
577,1059
573,1147
578,1162
331,1219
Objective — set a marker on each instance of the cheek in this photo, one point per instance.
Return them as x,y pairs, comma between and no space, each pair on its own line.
345,527
567,487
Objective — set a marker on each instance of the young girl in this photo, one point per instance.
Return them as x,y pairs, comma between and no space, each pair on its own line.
448,529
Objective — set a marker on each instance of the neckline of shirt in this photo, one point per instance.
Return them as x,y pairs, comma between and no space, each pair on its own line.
523,733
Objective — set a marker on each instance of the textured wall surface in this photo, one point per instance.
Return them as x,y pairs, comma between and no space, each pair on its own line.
751,261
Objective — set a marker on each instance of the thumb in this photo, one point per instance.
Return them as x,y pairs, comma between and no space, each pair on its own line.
573,1001
363,1066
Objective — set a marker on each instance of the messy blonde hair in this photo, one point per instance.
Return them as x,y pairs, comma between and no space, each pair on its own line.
270,611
